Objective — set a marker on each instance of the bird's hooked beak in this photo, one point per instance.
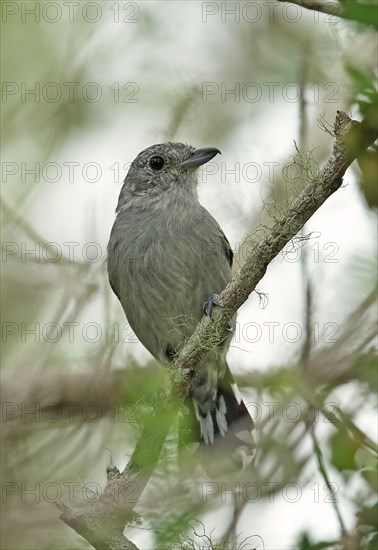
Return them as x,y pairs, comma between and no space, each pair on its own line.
199,157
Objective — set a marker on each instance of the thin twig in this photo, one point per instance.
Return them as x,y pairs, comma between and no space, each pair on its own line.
323,471
307,287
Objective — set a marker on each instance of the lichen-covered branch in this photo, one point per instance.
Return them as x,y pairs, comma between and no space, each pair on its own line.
322,6
351,137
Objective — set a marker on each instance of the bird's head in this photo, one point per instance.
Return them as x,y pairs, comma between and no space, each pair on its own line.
162,169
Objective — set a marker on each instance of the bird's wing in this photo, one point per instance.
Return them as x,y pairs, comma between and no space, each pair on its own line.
227,248
113,266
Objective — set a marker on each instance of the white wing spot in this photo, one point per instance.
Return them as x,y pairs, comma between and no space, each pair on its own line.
207,428
221,416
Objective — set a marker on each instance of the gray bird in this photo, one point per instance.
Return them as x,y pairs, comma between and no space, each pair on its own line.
167,261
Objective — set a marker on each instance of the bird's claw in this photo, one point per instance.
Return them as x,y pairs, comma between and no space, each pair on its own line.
211,303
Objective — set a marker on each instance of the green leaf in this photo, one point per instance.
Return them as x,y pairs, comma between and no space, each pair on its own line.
366,369
343,449
362,12
368,162
371,477
364,94
368,516
305,543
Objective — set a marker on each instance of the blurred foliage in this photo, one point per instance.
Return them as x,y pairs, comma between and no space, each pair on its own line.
367,525
362,11
304,543
343,449
365,95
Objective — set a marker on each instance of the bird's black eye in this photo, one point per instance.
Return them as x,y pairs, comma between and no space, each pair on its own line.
156,163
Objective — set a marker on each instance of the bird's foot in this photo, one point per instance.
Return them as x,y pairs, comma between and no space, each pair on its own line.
208,308
211,303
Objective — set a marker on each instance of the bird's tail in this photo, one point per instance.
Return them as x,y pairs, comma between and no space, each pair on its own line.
219,420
